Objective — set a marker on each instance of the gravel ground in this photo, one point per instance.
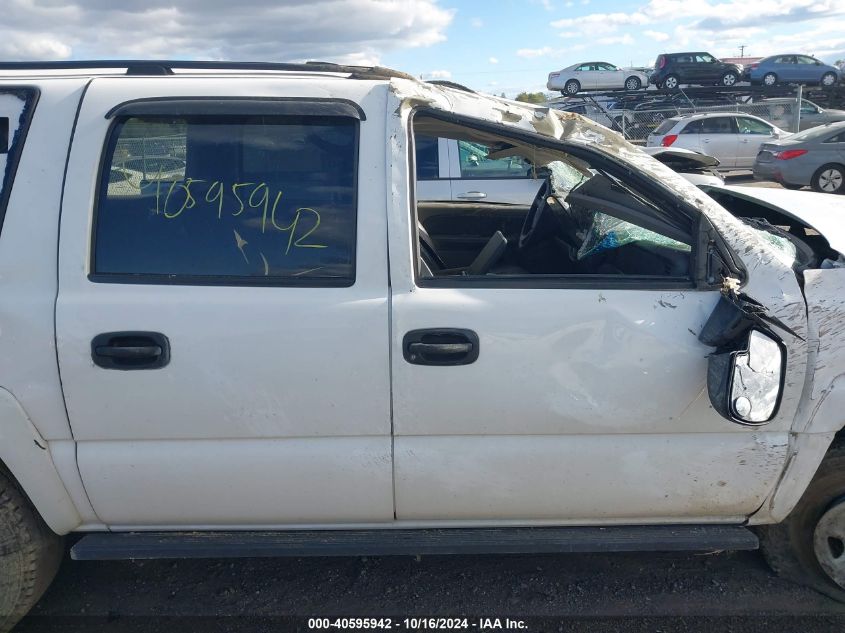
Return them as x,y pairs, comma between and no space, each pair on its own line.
589,592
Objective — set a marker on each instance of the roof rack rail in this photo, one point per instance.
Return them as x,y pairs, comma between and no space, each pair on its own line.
166,67
450,84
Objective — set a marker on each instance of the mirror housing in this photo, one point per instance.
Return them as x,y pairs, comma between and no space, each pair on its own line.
745,383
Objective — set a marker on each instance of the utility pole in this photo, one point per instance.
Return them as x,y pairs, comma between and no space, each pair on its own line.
742,50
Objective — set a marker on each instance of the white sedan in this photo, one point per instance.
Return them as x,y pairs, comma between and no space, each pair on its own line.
595,76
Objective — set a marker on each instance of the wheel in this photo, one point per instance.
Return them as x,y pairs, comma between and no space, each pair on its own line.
729,78
829,178
770,79
671,82
787,185
29,554
828,79
572,87
633,83
807,546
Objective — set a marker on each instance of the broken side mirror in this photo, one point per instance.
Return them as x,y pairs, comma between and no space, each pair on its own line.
745,383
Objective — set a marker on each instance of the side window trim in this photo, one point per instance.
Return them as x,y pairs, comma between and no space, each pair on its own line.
216,280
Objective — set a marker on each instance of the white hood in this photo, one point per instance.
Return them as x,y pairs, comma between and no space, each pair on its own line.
824,212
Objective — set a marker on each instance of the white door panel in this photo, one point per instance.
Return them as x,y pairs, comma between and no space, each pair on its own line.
243,425
721,146
569,382
658,477
277,481
569,360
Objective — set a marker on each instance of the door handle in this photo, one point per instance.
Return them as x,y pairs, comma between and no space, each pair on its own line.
472,195
440,346
130,350
745,140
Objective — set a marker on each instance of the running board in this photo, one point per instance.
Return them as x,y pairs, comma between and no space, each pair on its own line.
391,542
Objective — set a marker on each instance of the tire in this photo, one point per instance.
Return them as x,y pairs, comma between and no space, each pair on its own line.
770,79
729,79
30,554
671,82
795,549
572,87
828,80
829,178
633,83
787,185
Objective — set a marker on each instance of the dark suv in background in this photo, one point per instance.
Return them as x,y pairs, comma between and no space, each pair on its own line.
674,69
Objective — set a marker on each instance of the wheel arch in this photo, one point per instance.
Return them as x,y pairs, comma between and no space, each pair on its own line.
25,457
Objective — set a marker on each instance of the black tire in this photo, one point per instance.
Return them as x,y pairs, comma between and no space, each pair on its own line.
30,554
572,87
729,79
789,546
829,178
633,83
828,80
671,82
787,185
770,79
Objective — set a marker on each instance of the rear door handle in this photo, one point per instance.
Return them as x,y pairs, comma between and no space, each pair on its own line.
440,346
130,350
472,195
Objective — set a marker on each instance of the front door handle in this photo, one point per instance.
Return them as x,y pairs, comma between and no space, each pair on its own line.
472,195
130,350
440,346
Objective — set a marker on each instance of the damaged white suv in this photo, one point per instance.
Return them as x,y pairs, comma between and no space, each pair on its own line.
224,311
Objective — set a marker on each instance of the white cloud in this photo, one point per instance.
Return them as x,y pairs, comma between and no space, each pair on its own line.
657,36
438,74
597,23
623,40
476,23
548,51
283,30
493,60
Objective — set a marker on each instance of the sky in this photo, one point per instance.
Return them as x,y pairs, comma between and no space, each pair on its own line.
490,45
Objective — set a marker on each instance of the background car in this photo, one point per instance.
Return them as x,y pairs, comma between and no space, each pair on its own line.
698,168
799,69
595,76
734,138
815,157
780,112
673,69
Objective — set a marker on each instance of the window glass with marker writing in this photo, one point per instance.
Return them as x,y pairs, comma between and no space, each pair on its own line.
248,198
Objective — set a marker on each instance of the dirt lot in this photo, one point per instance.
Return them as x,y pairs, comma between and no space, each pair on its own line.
589,592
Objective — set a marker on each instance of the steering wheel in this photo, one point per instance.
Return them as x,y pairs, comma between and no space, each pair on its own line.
540,222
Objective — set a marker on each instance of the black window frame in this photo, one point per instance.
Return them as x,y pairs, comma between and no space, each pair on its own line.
696,280
16,142
201,106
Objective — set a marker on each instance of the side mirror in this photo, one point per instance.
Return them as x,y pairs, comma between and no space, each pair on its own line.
745,383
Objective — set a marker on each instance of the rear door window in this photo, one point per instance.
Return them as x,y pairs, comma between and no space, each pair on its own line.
718,125
478,161
752,126
228,199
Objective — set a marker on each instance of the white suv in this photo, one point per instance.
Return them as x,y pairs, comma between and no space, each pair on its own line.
733,138
270,338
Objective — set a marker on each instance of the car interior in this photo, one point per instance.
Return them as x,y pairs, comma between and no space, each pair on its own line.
584,220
